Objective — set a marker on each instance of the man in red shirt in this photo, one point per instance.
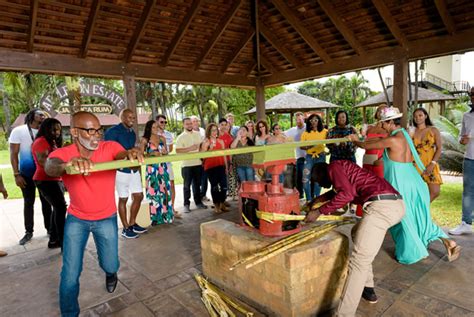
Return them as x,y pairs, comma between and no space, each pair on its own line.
383,208
92,207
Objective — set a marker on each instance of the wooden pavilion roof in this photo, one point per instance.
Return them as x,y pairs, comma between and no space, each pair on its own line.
215,42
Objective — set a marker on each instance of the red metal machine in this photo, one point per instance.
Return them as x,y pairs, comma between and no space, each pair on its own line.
270,197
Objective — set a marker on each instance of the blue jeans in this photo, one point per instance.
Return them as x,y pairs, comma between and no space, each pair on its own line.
468,191
76,234
245,173
308,166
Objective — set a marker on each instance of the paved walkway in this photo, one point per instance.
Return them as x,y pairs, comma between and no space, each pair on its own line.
155,277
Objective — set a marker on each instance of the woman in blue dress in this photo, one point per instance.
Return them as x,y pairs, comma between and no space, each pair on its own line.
416,230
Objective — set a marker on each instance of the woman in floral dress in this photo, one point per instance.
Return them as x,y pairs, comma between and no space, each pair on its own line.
158,188
427,140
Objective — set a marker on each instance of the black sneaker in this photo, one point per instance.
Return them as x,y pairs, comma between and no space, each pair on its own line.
369,295
138,229
26,238
187,209
111,282
201,206
53,244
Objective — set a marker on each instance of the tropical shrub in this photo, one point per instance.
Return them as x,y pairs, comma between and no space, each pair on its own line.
450,127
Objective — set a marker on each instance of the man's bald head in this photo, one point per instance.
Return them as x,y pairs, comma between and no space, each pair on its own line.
86,130
84,119
127,117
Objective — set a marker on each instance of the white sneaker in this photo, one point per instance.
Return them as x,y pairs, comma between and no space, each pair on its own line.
463,228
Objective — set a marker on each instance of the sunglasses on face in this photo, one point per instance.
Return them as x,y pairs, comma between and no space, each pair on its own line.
165,122
92,131
313,120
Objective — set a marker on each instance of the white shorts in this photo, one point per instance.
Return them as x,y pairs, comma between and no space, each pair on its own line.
127,183
170,171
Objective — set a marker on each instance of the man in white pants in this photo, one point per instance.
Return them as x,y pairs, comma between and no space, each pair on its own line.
128,180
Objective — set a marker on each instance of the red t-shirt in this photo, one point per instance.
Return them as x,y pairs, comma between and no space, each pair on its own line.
92,197
227,138
41,145
214,161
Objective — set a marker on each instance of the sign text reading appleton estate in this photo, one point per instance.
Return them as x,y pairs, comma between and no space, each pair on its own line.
90,90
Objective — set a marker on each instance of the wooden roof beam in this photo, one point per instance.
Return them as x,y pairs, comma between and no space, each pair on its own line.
139,30
384,12
347,33
48,63
32,25
94,12
249,70
426,48
268,66
242,44
445,16
267,33
301,29
180,33
218,32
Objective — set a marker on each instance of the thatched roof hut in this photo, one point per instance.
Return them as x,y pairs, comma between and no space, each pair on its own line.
291,102
424,96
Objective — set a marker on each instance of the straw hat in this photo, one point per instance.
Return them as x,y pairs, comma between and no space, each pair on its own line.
390,113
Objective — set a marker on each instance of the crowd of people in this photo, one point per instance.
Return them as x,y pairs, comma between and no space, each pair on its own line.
400,172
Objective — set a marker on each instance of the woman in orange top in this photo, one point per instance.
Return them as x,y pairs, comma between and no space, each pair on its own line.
215,167
427,140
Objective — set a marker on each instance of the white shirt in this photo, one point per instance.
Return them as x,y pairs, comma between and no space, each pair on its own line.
168,137
21,135
202,133
467,128
295,133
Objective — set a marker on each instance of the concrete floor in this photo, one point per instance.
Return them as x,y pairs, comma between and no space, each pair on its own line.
155,277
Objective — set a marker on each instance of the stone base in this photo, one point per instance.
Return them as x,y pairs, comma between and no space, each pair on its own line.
302,281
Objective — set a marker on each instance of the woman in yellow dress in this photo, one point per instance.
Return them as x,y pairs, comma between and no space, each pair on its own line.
427,140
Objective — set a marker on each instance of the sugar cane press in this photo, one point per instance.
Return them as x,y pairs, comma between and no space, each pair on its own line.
269,197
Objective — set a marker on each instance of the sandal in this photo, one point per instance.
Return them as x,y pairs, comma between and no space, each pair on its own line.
453,253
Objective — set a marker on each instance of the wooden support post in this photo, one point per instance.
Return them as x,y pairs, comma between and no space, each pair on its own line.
442,107
327,117
400,88
260,100
130,98
364,115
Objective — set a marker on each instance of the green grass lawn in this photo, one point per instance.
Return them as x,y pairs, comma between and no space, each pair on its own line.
446,209
4,157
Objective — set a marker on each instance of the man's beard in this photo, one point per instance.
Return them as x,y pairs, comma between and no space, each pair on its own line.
90,145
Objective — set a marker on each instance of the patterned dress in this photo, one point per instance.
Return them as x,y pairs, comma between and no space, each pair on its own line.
426,148
345,150
158,189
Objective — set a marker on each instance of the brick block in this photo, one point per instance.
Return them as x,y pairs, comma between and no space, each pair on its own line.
303,281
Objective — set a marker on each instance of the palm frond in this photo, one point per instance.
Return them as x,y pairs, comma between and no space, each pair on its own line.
445,125
451,143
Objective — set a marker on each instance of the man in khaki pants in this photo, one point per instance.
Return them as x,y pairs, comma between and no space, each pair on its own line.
383,207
